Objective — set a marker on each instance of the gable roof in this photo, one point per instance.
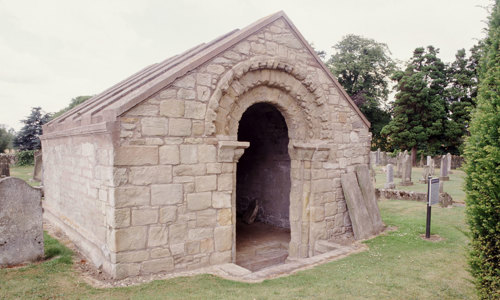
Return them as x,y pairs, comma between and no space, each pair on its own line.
123,96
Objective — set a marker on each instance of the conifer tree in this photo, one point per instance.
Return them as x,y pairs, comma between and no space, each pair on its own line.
482,155
419,111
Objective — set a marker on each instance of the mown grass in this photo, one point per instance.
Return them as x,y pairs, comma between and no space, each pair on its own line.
25,173
454,186
398,265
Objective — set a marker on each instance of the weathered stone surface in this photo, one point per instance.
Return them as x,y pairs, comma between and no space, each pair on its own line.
136,155
223,238
205,183
21,233
166,194
131,196
4,165
368,192
144,216
131,238
172,108
179,127
443,175
150,174
158,265
361,221
158,236
37,171
389,183
169,155
199,201
154,126
168,214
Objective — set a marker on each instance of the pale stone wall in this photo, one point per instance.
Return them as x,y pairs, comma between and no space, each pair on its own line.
78,183
174,200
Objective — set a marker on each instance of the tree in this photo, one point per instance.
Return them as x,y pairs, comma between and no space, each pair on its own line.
74,102
27,138
419,111
462,89
6,138
482,155
363,67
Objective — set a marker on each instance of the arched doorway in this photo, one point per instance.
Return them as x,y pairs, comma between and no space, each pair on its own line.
263,189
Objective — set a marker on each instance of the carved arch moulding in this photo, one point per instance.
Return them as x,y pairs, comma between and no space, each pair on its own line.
278,81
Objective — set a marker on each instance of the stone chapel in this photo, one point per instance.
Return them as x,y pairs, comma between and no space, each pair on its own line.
157,173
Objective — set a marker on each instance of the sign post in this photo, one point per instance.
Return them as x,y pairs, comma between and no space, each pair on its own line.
432,198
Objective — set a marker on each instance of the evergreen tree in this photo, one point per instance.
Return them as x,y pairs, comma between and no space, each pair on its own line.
27,138
461,91
482,184
419,111
363,67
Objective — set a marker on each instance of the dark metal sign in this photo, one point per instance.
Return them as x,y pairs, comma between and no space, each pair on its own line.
433,196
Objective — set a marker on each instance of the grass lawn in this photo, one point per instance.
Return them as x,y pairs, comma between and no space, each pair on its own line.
25,173
454,186
399,265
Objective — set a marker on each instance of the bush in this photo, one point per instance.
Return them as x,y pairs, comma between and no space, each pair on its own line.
482,184
25,158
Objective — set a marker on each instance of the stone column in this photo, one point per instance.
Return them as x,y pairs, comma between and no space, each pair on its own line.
390,177
443,175
231,151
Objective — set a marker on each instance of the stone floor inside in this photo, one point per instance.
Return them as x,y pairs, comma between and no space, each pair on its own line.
260,245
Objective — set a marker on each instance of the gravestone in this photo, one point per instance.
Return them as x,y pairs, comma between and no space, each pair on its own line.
4,166
432,168
21,232
377,158
383,158
361,220
389,184
368,192
399,165
406,176
443,175
429,158
448,157
425,174
38,170
373,158
441,186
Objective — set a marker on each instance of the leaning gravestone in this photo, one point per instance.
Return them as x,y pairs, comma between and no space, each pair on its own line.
21,232
368,192
4,166
443,175
38,170
389,184
362,225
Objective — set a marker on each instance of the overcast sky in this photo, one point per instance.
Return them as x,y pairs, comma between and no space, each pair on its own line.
52,51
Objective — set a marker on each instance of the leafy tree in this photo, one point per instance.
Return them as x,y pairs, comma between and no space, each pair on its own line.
27,138
462,89
74,102
363,67
6,138
419,111
482,184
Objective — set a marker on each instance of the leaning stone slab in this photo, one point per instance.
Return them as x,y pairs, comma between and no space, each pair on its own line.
360,218
368,192
21,233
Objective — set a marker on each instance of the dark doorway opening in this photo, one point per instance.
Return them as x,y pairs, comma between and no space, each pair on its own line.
263,189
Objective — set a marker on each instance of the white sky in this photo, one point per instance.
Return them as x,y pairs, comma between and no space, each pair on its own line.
52,51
